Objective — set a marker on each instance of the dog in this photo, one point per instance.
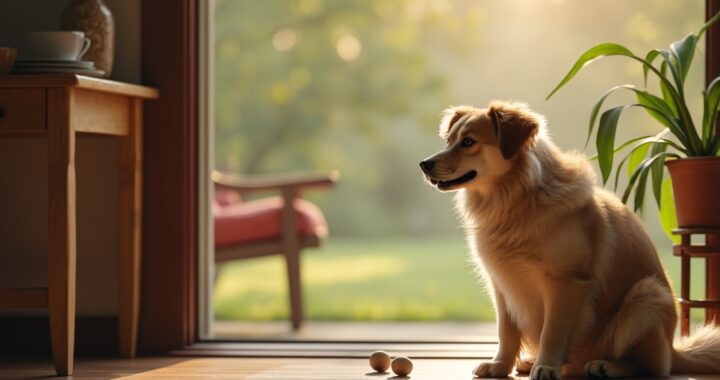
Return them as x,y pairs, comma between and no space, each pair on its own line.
576,282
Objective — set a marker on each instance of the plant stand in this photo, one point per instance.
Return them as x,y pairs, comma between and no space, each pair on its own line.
711,252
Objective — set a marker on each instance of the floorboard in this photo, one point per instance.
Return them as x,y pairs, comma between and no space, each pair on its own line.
245,368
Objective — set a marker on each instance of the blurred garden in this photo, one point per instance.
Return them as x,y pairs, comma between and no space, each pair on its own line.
358,86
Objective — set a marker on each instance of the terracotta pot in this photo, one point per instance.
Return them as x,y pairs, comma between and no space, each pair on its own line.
696,187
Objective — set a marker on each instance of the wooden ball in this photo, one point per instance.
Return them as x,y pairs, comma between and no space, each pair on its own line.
402,366
380,361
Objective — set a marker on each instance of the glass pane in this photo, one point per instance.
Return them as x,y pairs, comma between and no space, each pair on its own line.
358,86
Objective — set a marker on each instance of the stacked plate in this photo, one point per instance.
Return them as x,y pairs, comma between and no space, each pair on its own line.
39,66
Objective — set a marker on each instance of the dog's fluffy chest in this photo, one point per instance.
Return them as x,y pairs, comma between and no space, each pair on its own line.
516,266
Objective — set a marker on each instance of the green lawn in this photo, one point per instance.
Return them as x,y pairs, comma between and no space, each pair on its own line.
373,279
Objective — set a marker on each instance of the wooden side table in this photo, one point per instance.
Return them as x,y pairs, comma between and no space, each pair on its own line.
58,107
711,252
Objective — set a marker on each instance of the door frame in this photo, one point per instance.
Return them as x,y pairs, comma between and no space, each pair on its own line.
169,49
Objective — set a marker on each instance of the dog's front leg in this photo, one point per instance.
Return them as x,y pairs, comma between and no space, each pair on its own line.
509,347
563,301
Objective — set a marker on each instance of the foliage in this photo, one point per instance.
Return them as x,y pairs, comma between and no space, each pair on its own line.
289,73
286,100
648,153
318,85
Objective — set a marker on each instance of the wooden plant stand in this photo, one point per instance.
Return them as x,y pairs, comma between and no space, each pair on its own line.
711,252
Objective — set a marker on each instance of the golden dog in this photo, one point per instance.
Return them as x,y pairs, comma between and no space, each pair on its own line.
576,282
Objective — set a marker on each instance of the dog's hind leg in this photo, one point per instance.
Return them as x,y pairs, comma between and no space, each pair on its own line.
606,369
638,342
654,353
651,356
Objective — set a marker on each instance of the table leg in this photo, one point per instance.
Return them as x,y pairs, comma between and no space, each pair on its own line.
129,230
62,228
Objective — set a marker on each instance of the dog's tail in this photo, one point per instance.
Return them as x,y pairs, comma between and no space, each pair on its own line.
698,353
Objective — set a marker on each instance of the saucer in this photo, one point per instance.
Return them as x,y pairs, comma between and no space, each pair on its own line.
54,64
23,59
59,70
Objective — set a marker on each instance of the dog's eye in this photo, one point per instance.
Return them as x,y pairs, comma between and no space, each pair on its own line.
466,142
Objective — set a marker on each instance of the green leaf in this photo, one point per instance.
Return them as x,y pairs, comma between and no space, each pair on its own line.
661,111
684,50
666,91
644,167
649,58
596,109
658,170
593,53
676,99
606,139
667,215
640,191
658,108
708,24
619,169
625,145
642,146
655,106
637,157
711,102
670,61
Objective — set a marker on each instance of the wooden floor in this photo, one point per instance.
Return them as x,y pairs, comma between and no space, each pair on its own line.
245,368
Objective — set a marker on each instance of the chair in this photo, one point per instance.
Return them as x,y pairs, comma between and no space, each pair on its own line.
282,224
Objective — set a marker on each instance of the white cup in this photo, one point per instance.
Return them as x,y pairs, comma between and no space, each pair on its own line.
54,46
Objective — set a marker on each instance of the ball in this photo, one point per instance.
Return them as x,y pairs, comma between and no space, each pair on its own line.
380,361
402,366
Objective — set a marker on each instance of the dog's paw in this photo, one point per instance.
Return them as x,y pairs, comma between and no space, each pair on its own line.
544,372
601,369
492,369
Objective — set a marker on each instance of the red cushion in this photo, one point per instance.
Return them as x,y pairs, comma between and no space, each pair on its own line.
227,197
259,220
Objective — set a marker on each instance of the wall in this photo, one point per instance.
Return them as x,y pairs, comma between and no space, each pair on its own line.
23,174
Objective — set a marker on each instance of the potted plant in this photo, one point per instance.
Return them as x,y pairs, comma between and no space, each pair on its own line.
688,149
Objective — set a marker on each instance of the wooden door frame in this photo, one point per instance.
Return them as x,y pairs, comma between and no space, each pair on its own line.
170,223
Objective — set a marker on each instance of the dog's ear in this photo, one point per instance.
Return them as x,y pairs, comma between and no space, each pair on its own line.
515,127
450,116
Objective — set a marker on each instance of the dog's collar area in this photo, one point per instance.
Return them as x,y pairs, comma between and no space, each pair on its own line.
442,185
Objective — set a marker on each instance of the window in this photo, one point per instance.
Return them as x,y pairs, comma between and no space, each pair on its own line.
357,86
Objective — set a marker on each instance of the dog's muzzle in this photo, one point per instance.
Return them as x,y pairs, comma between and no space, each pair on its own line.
444,185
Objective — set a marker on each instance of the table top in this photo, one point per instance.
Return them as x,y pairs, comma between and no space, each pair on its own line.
79,81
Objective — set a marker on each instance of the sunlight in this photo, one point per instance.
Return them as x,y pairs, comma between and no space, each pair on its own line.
370,267
286,39
348,47
325,272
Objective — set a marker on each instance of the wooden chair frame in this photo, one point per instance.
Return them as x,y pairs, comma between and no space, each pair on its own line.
290,242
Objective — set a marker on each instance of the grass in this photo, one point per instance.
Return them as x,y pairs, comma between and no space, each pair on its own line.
373,279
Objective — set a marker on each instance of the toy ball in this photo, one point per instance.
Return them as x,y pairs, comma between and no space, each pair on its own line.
402,366
380,361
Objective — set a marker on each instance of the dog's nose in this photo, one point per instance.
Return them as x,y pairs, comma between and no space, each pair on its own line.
427,165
